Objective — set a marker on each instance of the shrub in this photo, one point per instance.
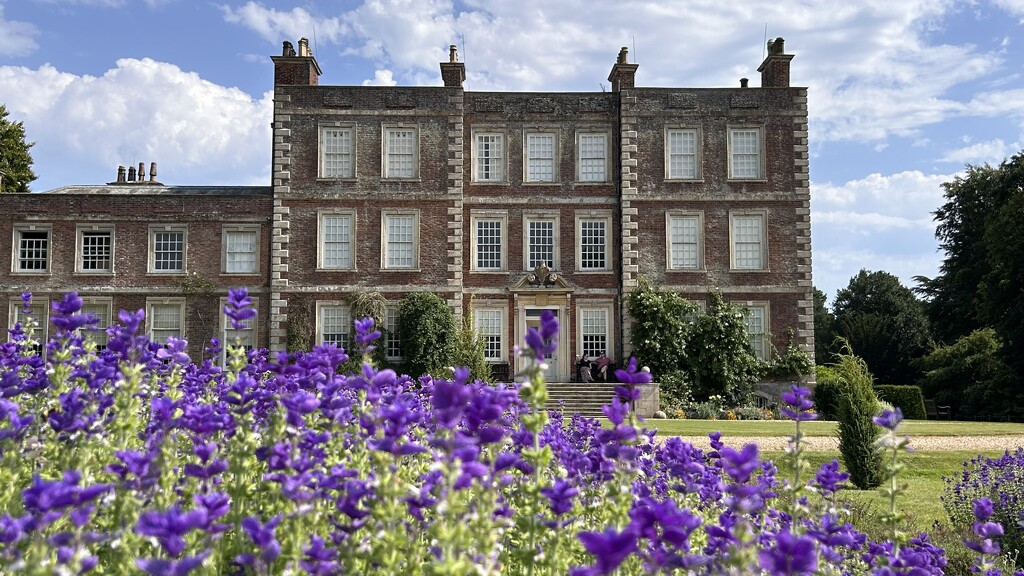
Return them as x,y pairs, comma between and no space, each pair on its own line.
907,398
857,432
428,333
753,413
1002,481
469,351
827,391
674,391
793,362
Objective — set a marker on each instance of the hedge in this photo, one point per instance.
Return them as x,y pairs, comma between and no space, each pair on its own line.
909,399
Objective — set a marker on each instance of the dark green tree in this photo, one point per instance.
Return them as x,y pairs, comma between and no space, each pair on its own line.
1002,290
824,329
970,377
884,324
15,160
428,333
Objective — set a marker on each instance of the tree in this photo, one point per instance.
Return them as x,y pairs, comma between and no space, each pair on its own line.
427,326
884,323
824,329
971,377
15,160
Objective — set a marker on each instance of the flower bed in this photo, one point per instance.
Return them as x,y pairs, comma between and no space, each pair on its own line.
135,458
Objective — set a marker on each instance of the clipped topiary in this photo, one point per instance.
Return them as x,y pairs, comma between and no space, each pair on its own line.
908,399
857,432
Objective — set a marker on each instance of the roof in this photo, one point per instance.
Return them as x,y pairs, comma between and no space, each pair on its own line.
161,190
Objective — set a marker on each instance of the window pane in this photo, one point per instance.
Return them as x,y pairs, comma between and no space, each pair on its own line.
682,154
748,252
336,146
684,239
401,153
96,251
540,154
165,321
592,245
335,325
488,326
336,235
542,243
745,153
592,158
401,235
594,331
241,252
33,250
168,251
488,244
392,338
490,166
756,330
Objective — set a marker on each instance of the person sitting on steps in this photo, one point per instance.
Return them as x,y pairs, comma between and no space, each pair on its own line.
584,368
602,363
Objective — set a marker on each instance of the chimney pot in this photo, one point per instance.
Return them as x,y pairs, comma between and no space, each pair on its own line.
453,54
152,171
743,82
623,74
775,68
131,173
142,171
304,47
120,174
287,49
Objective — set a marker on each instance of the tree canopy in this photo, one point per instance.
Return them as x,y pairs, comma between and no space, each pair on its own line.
15,160
884,323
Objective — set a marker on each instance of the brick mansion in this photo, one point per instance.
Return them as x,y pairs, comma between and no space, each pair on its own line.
506,204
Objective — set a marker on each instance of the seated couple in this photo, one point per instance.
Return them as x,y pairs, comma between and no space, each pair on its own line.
587,367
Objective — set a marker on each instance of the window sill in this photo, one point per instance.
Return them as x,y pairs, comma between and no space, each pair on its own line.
490,182
541,183
385,179
336,269
687,270
753,180
240,274
488,271
351,179
31,272
167,273
591,182
399,270
591,272
691,180
93,273
749,270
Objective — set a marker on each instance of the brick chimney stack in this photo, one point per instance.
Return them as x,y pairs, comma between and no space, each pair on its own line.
775,68
453,72
296,69
623,74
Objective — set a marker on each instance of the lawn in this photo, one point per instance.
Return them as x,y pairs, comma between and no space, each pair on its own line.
923,477
825,428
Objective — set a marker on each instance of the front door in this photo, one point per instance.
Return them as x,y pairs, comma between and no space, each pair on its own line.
553,372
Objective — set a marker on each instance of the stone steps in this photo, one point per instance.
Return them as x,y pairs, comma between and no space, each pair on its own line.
587,399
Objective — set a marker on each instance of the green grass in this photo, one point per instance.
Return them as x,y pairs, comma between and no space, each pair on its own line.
923,477
757,428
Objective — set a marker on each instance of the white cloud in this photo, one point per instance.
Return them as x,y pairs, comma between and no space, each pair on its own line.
16,38
276,26
1014,7
990,152
906,194
381,78
141,110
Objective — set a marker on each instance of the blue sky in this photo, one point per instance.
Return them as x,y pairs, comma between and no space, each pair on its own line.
903,93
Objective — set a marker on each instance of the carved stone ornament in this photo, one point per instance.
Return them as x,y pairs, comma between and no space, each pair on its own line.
542,276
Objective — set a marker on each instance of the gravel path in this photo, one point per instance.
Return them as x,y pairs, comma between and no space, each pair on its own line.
920,443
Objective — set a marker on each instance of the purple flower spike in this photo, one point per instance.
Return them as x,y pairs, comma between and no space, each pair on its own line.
740,465
174,351
545,341
982,508
239,308
161,567
263,536
365,334
560,496
799,404
65,313
610,548
26,302
633,375
791,556
889,419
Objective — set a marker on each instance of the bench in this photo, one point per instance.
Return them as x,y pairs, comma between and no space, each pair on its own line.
935,412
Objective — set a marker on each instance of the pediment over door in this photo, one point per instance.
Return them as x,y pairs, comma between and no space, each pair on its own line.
542,281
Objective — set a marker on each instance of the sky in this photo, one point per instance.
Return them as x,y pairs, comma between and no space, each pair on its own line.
903,94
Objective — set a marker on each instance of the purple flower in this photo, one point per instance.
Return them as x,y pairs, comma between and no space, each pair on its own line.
799,404
65,313
365,334
451,398
829,478
610,548
26,302
174,351
740,465
889,419
170,527
544,342
631,375
262,536
318,559
239,308
161,567
560,496
791,555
